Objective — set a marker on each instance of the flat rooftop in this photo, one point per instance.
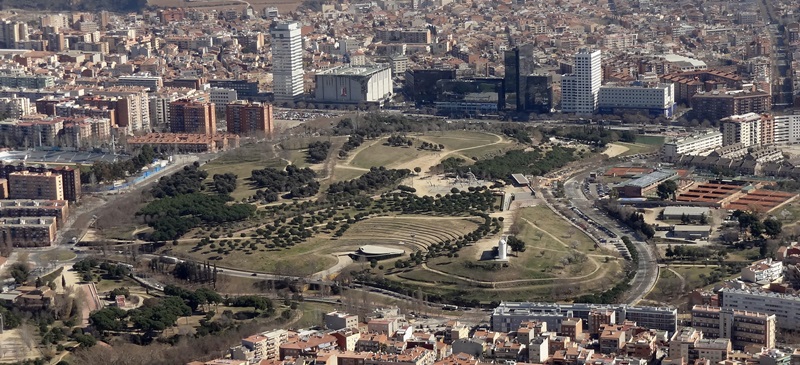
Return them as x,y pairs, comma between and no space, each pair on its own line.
651,178
346,70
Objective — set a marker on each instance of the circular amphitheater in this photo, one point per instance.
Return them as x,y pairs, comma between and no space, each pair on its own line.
414,234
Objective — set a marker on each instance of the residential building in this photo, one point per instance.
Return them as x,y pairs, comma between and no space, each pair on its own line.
743,328
539,349
27,231
509,315
248,118
14,107
749,129
11,33
579,90
689,344
187,116
70,177
655,100
287,61
413,36
265,345
382,325
132,106
58,209
785,307
19,80
306,344
787,129
716,105
701,144
572,328
184,142
340,320
32,185
598,318
763,271
347,84
152,83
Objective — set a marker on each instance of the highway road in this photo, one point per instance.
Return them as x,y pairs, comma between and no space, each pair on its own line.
647,270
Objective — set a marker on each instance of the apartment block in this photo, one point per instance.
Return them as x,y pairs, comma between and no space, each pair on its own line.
716,105
700,144
340,320
32,185
58,209
787,129
188,116
689,345
743,328
509,315
14,107
785,307
70,178
749,129
27,231
247,118
184,142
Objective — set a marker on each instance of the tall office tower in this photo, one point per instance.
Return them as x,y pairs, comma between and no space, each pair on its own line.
287,61
11,33
519,64
579,90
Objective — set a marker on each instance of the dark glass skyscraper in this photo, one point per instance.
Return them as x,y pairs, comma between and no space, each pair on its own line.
519,64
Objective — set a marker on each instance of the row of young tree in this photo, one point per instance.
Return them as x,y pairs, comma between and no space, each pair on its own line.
628,216
318,151
352,143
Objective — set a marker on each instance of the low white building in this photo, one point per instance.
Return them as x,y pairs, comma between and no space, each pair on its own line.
348,84
701,144
787,129
656,100
765,270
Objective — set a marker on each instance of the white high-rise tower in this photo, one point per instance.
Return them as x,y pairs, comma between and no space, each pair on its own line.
579,89
287,61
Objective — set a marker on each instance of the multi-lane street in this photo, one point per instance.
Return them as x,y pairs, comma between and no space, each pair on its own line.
647,270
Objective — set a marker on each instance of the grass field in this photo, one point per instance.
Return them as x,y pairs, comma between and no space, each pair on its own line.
637,148
671,287
242,162
456,140
57,255
380,155
650,140
343,173
543,217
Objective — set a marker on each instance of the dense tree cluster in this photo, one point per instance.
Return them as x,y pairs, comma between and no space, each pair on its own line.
597,136
515,244
375,125
187,181
629,216
518,161
473,202
255,301
194,299
172,217
399,141
666,190
318,151
518,134
749,221
225,183
103,171
377,178
352,143
451,164
194,272
294,181
20,271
